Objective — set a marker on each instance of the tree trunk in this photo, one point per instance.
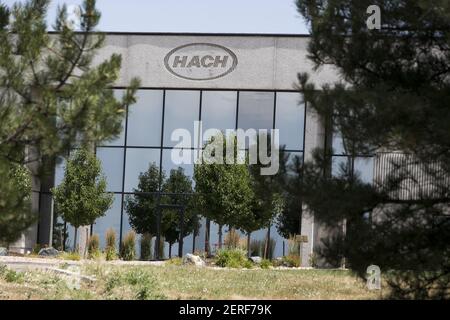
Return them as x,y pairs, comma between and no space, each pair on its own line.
249,253
75,249
170,250
220,236
161,250
266,247
207,233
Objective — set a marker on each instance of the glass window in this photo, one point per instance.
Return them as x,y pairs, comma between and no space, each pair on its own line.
70,236
181,110
110,220
218,111
60,235
364,168
278,240
59,170
120,139
168,164
340,166
255,110
138,160
338,143
112,165
145,119
294,159
290,119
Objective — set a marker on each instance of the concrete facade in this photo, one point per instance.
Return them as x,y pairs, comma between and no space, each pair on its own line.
256,62
264,62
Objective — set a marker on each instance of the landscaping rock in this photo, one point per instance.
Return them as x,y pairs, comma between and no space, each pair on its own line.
3,251
48,252
256,260
193,259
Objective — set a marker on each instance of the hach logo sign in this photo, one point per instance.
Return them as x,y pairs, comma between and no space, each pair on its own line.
200,61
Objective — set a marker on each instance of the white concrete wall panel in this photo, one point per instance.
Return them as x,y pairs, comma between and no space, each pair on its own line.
264,62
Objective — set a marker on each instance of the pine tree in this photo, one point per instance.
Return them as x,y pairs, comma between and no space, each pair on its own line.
15,206
289,221
52,96
81,197
395,98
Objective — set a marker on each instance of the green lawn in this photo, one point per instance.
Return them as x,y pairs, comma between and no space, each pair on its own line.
186,282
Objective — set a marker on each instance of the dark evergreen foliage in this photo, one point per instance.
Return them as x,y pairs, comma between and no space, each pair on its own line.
394,97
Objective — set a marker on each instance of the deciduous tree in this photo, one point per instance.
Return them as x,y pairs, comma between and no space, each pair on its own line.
81,197
224,191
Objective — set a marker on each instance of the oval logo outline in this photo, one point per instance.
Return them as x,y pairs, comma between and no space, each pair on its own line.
225,49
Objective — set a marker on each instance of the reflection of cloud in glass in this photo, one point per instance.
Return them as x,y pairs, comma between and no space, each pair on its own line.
256,110
290,119
112,165
181,110
218,111
364,167
110,220
145,119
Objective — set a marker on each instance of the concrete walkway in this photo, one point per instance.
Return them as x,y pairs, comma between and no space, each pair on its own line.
25,263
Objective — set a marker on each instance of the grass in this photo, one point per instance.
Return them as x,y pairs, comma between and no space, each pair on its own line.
188,282
74,256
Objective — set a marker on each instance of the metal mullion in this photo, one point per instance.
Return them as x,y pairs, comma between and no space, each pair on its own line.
237,109
122,198
162,139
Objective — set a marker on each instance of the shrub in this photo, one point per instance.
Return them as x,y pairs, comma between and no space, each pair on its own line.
257,248
313,260
293,246
128,248
177,261
141,282
265,264
3,270
110,248
73,255
232,239
12,276
232,258
248,264
146,247
94,247
36,248
291,260
293,257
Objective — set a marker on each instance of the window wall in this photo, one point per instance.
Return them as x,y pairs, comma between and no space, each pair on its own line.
147,138
360,165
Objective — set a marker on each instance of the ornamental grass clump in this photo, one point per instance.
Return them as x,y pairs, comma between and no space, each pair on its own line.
146,247
128,248
232,239
293,257
94,247
110,247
